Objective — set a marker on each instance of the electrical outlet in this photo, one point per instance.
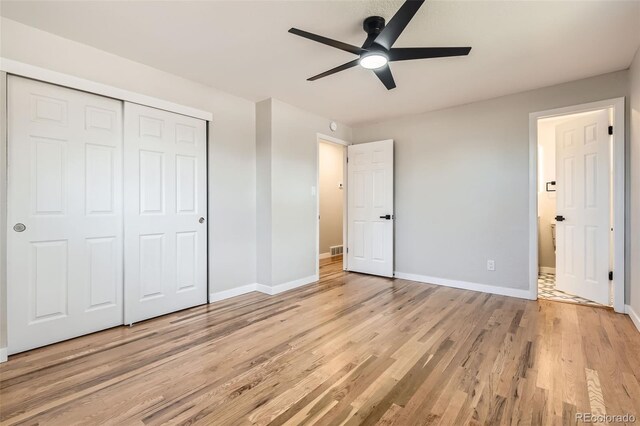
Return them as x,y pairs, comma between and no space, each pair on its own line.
491,265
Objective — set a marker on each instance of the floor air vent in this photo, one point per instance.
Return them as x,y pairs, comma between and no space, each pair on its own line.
336,250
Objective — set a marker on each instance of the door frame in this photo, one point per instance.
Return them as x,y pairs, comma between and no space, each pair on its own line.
3,215
345,187
617,105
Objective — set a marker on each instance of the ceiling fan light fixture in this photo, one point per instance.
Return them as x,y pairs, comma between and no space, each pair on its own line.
373,61
378,49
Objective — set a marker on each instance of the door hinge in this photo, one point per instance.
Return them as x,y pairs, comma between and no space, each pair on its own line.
347,159
610,275
347,249
610,130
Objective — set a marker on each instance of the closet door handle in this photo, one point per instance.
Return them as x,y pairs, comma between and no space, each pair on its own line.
201,220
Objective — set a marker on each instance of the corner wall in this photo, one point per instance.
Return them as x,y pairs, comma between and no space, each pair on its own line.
263,191
462,182
288,171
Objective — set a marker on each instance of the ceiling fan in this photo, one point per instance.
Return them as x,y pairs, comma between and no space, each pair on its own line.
377,51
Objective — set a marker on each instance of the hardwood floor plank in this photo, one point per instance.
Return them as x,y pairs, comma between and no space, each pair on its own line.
596,398
350,349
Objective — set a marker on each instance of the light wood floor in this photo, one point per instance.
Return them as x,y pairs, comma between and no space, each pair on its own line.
351,349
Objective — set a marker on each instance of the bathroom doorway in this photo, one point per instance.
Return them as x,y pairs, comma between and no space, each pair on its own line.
575,207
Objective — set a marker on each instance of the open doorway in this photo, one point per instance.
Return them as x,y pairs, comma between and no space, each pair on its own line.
574,208
579,203
331,203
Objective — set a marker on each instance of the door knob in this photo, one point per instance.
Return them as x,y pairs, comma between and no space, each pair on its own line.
559,218
201,220
19,227
386,216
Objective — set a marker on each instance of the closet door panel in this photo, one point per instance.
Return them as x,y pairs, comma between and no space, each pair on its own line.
165,211
65,229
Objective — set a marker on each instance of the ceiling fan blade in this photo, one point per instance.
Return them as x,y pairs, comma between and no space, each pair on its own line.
329,42
397,24
408,53
385,76
335,70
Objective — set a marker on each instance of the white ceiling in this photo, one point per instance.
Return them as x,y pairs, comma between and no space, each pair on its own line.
243,47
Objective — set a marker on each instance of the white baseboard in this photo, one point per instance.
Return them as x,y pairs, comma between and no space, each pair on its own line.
633,315
271,290
465,285
226,294
266,289
547,270
325,255
3,355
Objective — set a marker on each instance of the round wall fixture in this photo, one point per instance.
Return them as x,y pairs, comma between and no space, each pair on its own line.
333,126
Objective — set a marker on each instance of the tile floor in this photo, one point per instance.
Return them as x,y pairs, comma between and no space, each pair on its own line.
547,290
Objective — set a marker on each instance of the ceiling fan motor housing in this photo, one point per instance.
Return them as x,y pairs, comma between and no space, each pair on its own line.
373,25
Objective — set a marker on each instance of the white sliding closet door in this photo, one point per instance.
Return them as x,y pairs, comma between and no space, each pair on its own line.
64,213
165,211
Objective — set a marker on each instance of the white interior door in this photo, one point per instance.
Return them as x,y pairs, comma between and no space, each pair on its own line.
583,201
165,211
64,213
370,208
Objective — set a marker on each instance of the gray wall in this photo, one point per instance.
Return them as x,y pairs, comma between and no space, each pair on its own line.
287,169
633,167
294,173
462,181
231,150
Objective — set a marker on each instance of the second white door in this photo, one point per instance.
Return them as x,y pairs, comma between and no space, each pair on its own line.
583,206
165,212
370,208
